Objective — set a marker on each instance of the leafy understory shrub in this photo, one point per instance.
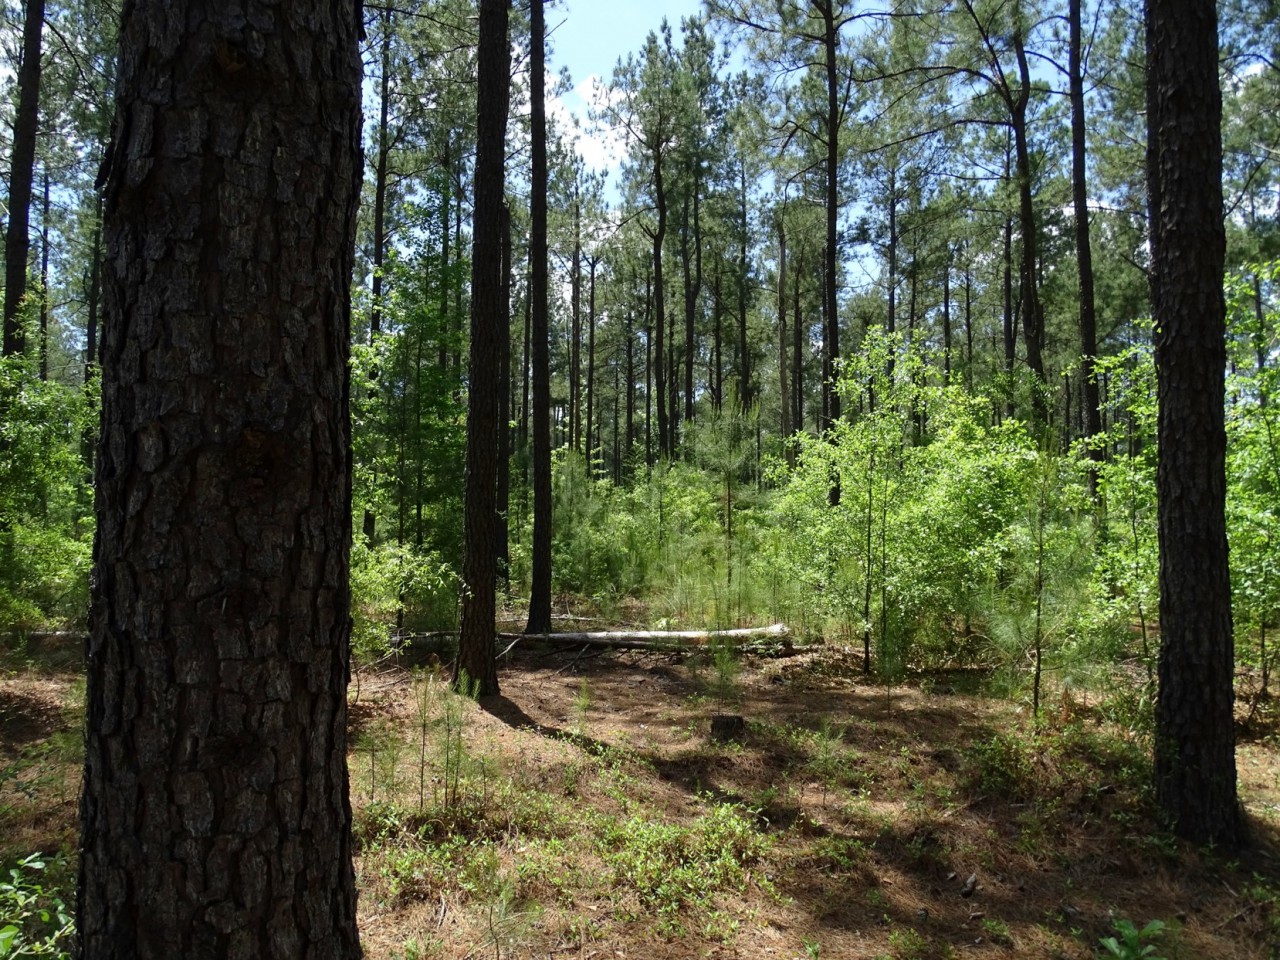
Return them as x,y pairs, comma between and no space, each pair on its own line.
1131,944
393,584
672,869
36,920
45,501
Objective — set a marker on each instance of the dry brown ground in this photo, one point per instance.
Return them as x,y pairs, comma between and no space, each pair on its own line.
849,818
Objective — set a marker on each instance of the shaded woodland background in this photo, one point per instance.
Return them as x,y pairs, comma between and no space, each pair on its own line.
909,405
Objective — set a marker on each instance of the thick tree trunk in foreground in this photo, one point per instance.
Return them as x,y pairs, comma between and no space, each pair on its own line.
17,240
540,590
215,820
1195,765
488,329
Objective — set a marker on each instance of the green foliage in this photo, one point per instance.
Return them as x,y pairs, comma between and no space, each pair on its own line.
394,584
45,531
1125,588
1131,944
932,499
672,868
1253,461
1040,587
36,921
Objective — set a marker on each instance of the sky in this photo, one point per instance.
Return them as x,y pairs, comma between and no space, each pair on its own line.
589,37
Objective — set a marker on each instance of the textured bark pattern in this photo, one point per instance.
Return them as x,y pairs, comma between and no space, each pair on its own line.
17,238
215,814
488,329
1195,749
540,588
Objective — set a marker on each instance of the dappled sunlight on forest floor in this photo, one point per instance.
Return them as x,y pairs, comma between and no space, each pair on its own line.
586,812
593,816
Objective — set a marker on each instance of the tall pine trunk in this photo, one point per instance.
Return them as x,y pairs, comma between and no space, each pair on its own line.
17,238
1084,252
1195,765
476,655
215,818
540,587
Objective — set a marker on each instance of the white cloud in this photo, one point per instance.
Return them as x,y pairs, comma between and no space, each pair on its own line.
600,146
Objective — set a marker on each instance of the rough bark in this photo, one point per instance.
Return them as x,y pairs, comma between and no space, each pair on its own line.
540,588
476,661
17,239
1195,768
215,819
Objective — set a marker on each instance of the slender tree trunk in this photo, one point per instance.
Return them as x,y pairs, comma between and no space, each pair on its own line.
575,331
968,327
1029,286
1195,767
617,402
524,383
648,371
504,413
630,334
445,195
673,386
831,398
745,392
370,524
17,240
784,390
659,302
690,306
591,362
540,589
717,351
1010,329
1084,252
215,819
455,325
946,320
891,324
797,345
44,273
691,316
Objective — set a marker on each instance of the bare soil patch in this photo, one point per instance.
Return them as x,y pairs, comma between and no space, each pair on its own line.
587,812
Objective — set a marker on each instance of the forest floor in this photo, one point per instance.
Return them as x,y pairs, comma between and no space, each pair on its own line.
587,813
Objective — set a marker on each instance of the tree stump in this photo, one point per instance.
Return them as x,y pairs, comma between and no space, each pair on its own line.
727,727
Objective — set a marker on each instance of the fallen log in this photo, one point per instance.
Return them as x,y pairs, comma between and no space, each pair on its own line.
774,639
777,631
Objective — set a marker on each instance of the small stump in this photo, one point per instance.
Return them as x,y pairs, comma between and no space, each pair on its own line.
727,727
